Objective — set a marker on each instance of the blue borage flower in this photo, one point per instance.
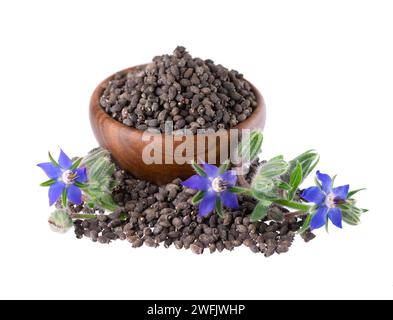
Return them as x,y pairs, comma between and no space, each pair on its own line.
214,185
326,199
65,179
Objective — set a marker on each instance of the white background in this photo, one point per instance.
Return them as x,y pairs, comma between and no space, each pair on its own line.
325,69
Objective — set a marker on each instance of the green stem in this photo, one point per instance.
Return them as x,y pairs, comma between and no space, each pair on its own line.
292,204
248,192
83,216
240,190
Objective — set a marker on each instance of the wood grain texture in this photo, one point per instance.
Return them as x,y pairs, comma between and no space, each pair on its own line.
126,145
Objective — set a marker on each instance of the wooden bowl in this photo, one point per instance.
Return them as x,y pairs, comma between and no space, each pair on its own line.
126,145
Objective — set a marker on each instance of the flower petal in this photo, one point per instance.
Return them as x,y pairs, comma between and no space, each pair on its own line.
55,191
211,170
335,217
229,199
319,218
230,177
313,194
64,161
197,182
74,194
50,169
341,192
326,182
81,175
207,204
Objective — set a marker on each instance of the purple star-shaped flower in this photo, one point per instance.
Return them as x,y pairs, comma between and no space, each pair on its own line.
215,185
326,198
63,179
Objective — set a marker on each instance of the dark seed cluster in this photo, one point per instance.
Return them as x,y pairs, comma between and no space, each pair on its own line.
165,215
191,92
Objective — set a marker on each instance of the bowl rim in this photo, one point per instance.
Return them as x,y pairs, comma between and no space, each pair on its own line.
95,106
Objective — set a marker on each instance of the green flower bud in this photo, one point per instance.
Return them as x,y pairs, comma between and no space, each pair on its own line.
60,221
100,169
261,184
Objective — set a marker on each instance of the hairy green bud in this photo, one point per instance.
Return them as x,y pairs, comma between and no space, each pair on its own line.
60,221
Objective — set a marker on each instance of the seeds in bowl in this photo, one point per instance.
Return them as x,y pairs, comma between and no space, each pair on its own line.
190,92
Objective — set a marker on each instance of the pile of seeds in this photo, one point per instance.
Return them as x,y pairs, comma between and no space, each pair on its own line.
165,215
191,92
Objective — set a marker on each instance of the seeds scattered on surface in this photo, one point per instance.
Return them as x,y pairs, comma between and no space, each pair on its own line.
164,215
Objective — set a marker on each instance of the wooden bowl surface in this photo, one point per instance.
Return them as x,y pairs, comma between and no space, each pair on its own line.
126,144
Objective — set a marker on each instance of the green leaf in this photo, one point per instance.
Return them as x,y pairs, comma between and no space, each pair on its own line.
260,211
306,224
81,185
350,213
292,204
291,194
249,148
197,197
273,168
48,183
90,204
309,166
223,167
256,144
345,206
350,207
76,164
350,217
198,169
296,176
295,179
258,194
265,202
219,207
285,186
236,189
94,155
64,198
262,197
353,192
308,161
123,216
89,193
98,169
261,188
53,160
106,202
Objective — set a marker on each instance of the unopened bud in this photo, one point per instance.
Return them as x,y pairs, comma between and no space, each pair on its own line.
60,221
261,184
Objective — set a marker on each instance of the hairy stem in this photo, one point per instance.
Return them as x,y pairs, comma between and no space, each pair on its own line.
83,216
291,204
241,178
243,182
